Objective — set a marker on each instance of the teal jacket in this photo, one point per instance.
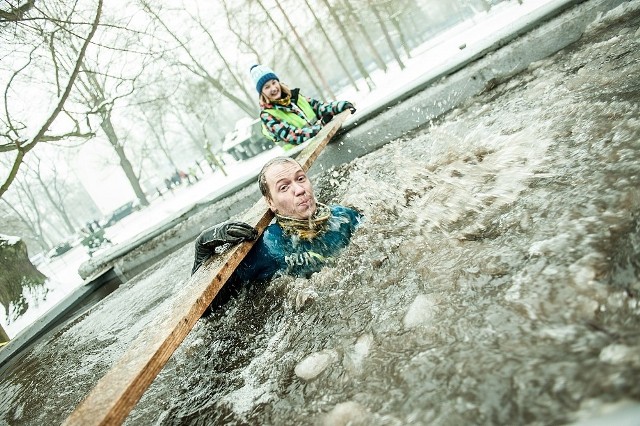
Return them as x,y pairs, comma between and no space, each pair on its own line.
276,252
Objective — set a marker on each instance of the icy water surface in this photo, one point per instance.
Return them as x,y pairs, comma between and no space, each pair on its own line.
495,279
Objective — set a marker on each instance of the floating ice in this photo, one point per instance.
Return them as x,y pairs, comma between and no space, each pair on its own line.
354,359
616,354
346,413
420,312
314,364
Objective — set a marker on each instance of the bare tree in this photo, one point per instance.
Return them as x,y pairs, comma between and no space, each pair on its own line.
14,130
331,44
27,205
154,119
53,191
394,11
350,45
28,227
386,34
111,81
16,13
198,67
290,46
92,91
235,24
185,118
412,20
310,57
202,135
14,224
231,72
208,143
357,19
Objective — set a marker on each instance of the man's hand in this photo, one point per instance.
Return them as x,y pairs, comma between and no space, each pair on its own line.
219,235
227,232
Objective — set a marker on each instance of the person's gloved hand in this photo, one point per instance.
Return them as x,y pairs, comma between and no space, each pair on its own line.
325,119
227,232
349,106
219,235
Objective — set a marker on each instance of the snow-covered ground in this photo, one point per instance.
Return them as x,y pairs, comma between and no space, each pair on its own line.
427,60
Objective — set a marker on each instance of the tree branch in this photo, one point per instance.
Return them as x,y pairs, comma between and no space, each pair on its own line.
23,149
16,13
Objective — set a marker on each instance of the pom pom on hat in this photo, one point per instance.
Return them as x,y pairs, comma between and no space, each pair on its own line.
261,74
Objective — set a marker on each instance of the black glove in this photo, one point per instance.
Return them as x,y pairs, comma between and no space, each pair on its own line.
325,119
216,236
349,106
227,232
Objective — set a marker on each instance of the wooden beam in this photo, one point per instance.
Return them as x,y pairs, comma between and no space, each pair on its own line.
119,390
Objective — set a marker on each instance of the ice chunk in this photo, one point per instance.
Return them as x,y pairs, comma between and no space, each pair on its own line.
616,354
347,413
314,364
353,359
420,312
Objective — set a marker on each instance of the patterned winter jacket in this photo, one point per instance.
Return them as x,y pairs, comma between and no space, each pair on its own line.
287,133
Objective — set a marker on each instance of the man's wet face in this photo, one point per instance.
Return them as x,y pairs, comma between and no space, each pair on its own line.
290,191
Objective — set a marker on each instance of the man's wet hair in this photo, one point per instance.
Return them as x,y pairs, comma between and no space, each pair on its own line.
262,180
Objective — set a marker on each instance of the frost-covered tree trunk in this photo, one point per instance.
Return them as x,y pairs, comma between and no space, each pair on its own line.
354,53
107,127
355,19
4,337
386,34
331,44
18,273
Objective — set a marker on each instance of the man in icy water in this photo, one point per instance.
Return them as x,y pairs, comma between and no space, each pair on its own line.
304,237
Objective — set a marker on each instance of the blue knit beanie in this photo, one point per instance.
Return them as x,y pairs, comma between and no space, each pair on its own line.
261,74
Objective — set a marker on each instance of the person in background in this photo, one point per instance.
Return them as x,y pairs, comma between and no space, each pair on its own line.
288,117
305,236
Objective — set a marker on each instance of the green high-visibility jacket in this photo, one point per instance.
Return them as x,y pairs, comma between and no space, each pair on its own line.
292,118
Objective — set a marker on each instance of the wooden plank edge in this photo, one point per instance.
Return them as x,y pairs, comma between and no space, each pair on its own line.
115,394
